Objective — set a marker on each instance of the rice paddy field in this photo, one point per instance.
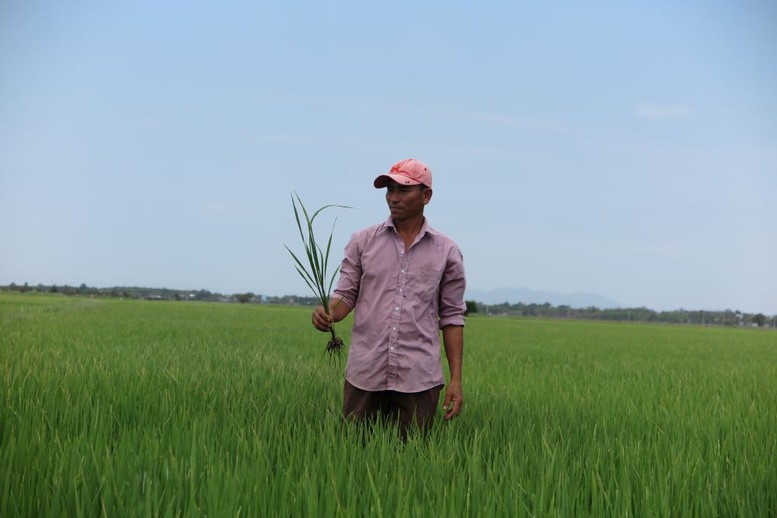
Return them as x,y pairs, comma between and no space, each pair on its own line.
139,408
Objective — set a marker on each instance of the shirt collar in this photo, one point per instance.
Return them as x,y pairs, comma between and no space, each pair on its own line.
425,228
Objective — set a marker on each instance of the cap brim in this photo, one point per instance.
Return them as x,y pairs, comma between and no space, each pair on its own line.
383,180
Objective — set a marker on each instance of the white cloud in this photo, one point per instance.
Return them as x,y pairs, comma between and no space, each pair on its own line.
658,111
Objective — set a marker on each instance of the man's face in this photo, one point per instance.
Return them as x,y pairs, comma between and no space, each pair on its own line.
406,201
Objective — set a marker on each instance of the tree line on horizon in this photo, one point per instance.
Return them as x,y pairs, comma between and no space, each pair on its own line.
731,318
727,317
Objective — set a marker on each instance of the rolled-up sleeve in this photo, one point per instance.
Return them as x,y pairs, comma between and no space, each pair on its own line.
452,286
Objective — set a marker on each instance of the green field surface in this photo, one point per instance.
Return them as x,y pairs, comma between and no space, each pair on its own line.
145,408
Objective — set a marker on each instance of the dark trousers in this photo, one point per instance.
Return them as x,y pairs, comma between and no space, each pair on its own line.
408,410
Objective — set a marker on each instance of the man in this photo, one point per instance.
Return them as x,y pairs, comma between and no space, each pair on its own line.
405,282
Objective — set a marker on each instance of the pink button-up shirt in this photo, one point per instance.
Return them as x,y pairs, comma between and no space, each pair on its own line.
402,298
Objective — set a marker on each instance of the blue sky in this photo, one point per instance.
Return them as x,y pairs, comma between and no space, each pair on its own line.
627,149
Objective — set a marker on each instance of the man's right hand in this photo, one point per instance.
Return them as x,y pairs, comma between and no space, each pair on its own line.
321,320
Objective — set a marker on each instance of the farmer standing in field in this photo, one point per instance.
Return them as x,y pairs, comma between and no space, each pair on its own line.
405,282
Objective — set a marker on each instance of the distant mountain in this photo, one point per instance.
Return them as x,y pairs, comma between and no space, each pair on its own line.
527,296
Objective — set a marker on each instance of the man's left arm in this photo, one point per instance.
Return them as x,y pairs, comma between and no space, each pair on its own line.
452,311
453,339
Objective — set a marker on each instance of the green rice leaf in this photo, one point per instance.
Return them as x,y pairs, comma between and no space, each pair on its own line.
315,272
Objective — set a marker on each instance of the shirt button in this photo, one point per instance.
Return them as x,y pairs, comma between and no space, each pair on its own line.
394,328
396,308
401,252
402,270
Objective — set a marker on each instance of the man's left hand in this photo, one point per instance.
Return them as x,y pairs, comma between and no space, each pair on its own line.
454,400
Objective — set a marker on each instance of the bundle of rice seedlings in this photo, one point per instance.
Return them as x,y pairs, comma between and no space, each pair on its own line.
315,273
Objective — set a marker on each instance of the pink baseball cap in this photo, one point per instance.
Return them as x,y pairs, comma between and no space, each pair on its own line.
406,172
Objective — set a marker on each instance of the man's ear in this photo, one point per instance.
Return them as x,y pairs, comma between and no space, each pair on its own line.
427,195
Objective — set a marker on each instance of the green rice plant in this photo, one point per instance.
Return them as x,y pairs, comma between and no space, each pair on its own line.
315,274
137,408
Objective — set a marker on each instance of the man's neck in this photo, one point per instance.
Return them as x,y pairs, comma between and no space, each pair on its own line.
409,229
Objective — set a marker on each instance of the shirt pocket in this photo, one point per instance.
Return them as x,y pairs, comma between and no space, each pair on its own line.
425,279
